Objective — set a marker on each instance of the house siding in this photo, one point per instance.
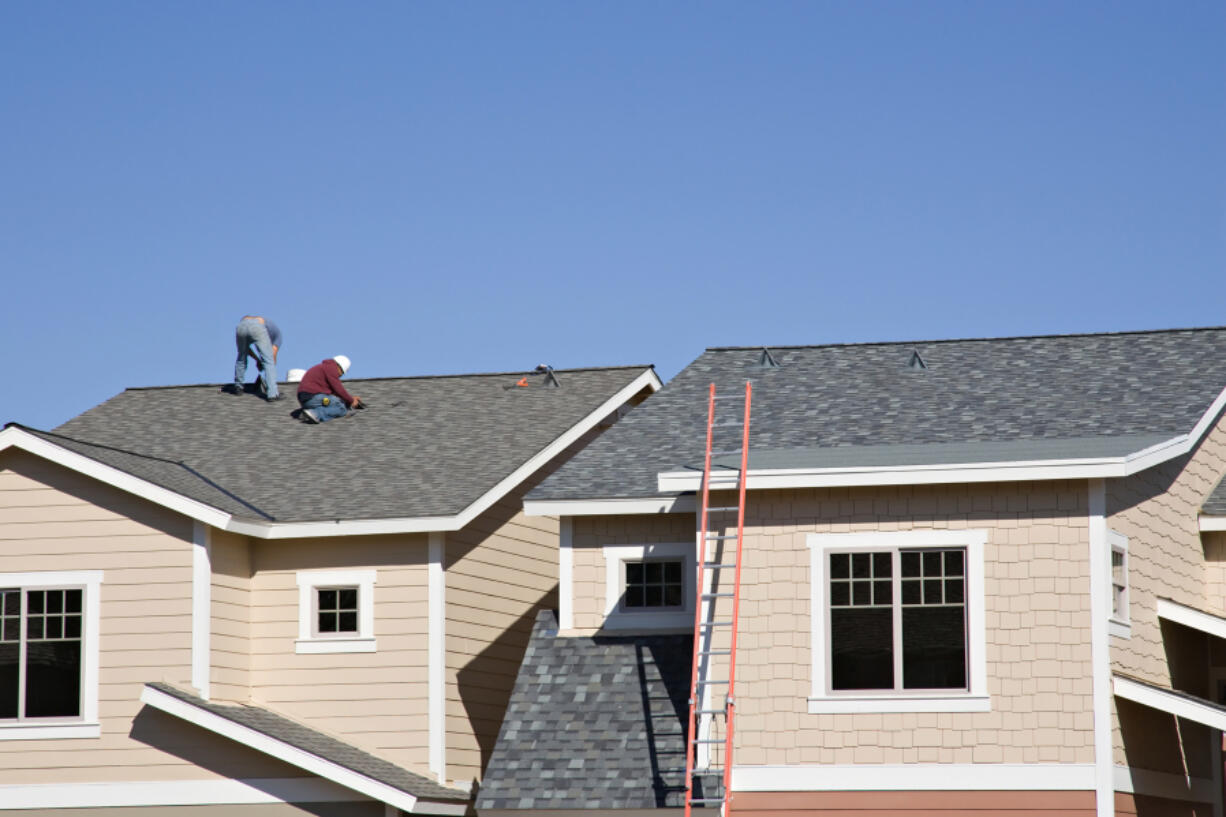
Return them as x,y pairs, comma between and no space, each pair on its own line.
915,803
1037,622
54,519
375,700
230,641
1158,511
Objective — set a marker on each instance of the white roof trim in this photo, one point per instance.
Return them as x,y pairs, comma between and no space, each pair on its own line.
290,754
608,507
1166,701
1191,617
1209,523
1004,471
16,437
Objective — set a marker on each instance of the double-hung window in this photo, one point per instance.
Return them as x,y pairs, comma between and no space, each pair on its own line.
49,654
1119,624
898,621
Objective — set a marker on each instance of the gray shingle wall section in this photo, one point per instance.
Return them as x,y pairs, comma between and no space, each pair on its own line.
1215,505
1002,390
321,745
593,723
425,447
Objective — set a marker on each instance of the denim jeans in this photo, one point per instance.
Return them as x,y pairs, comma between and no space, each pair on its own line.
335,408
251,337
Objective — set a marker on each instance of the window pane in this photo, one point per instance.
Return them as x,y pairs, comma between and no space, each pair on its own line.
34,601
327,622
12,602
55,601
953,591
910,592
861,565
840,594
882,592
34,628
861,648
672,573
953,563
327,599
932,563
910,564
634,596
672,595
9,654
932,591
862,594
655,572
12,630
934,648
348,623
55,627
72,627
882,566
634,572
349,598
53,679
72,601
840,565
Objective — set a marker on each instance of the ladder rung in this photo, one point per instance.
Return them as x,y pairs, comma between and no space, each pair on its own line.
731,424
721,452
729,397
716,537
707,799
701,682
715,652
724,509
715,624
709,740
717,565
711,712
716,596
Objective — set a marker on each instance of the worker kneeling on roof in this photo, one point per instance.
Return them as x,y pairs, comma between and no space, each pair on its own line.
321,394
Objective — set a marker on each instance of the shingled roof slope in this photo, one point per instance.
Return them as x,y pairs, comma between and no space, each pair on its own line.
1215,505
593,722
319,744
842,400
426,446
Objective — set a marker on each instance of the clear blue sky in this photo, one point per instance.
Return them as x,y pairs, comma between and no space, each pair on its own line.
462,187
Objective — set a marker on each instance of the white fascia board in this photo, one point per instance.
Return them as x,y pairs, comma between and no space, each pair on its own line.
647,380
279,749
14,437
140,793
611,507
1203,713
1004,471
1212,523
1191,617
916,777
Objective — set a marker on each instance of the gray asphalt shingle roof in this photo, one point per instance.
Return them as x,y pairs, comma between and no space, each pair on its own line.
863,403
593,722
1215,505
426,446
320,745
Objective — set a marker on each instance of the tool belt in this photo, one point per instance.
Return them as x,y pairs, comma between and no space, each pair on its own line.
305,397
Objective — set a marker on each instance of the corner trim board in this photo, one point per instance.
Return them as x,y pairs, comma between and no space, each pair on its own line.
1100,656
436,655
202,606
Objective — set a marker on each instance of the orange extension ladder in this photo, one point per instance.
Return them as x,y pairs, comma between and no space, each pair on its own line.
716,668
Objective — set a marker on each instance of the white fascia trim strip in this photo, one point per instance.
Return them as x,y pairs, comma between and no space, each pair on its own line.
131,794
916,777
278,749
14,437
1168,702
1212,523
610,507
1190,617
647,380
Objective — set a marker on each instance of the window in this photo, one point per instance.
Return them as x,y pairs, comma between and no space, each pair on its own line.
49,654
1119,623
649,586
898,622
336,611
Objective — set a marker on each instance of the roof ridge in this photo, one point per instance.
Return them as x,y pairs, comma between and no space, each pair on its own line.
515,373
969,339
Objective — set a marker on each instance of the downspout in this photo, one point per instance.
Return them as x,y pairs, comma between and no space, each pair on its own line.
1100,646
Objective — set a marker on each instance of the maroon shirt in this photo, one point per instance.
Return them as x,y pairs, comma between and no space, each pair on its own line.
322,378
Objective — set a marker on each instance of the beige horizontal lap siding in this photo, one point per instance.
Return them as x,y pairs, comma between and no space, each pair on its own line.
230,637
1158,510
53,519
1036,620
376,700
915,803
500,571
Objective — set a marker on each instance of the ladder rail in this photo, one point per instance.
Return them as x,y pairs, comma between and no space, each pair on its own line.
730,718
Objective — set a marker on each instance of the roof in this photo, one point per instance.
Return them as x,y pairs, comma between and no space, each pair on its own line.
593,723
425,447
869,405
1215,505
288,738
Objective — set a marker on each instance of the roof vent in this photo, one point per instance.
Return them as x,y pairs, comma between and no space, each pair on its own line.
767,360
916,361
296,375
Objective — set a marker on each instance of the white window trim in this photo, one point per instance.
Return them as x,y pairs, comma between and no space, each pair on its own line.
1119,625
87,726
308,582
616,557
976,698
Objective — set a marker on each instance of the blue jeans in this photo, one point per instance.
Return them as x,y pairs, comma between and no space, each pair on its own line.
336,406
251,338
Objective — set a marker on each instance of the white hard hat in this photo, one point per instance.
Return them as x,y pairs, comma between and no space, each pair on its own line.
343,362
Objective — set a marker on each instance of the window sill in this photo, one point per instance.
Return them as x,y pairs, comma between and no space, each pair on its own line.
49,731
649,621
898,703
314,646
1120,629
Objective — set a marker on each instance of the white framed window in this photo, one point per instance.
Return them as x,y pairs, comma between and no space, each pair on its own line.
336,611
649,586
49,624
898,622
1119,624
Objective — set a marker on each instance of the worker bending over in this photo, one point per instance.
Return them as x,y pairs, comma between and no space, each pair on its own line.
259,338
321,394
